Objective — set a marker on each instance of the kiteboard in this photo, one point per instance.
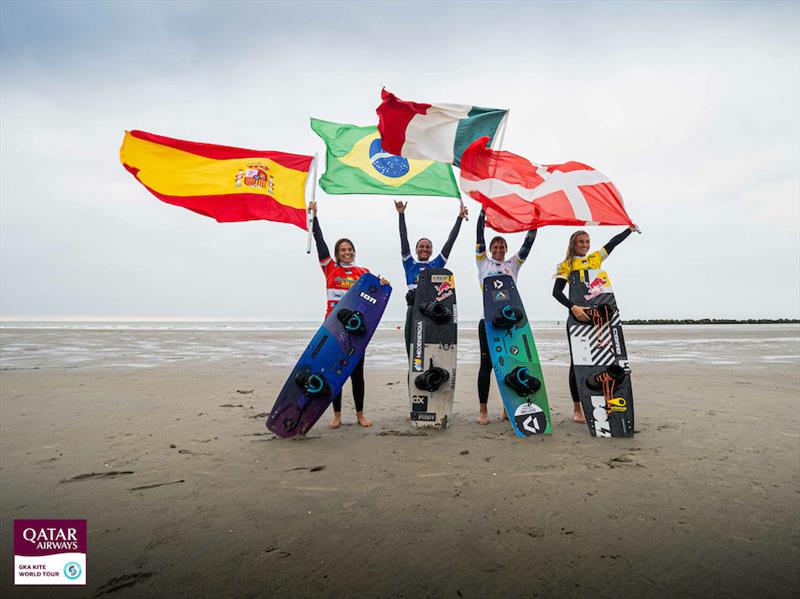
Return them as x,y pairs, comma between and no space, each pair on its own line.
599,358
330,358
514,358
432,355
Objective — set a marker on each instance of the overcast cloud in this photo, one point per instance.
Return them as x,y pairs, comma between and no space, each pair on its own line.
692,109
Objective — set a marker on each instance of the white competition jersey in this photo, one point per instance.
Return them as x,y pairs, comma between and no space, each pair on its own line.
488,267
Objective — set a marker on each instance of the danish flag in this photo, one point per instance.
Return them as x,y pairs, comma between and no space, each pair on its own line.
518,195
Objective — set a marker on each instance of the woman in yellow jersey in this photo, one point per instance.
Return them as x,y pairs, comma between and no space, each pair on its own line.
579,258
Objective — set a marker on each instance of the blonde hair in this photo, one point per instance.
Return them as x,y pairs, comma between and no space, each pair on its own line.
573,241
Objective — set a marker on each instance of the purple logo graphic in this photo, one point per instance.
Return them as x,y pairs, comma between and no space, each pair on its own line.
50,551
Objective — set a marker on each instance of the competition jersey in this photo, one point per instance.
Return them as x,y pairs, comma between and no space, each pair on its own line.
414,268
589,262
488,267
596,280
338,280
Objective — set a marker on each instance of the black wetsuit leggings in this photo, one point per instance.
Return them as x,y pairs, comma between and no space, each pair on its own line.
357,379
485,370
410,296
573,383
407,332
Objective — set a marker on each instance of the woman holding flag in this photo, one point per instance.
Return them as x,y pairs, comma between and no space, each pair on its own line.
579,258
340,274
424,249
494,264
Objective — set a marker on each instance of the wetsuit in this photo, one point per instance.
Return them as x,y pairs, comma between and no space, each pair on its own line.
488,267
413,268
590,262
339,278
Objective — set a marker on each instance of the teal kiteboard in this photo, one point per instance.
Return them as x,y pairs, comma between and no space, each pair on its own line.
514,358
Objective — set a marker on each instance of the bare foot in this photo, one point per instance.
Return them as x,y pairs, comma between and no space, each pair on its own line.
577,413
337,420
362,420
483,416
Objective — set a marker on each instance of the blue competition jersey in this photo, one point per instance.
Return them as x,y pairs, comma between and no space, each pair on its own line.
414,268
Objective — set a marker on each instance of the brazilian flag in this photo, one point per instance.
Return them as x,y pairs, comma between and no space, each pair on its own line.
357,163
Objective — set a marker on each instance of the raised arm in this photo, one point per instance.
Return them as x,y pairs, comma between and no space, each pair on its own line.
448,245
617,239
480,242
527,244
322,248
405,249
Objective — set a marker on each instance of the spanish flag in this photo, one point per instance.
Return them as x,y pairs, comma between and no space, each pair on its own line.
225,183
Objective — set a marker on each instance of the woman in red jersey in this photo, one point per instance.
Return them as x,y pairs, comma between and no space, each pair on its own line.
341,273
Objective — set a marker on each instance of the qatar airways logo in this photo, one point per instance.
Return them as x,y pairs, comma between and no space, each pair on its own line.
50,552
52,538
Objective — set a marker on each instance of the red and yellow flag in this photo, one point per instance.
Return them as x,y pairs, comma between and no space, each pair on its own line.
225,183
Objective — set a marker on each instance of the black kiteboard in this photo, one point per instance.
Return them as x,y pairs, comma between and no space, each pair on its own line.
599,358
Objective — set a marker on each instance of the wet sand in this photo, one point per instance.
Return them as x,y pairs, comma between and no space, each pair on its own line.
189,494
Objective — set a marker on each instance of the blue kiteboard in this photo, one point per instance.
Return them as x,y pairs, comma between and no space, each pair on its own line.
514,358
330,358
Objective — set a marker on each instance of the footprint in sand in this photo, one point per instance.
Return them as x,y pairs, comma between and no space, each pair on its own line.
97,475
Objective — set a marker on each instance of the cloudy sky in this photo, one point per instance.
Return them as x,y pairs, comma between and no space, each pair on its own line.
691,108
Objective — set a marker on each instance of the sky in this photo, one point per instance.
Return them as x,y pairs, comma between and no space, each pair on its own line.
692,109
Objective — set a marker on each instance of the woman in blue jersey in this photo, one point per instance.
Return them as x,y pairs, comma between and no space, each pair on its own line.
579,258
494,264
424,249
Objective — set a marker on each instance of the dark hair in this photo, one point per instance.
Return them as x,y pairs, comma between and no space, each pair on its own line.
498,238
338,244
423,239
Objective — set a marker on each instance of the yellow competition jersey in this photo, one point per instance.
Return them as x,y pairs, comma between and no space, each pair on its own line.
590,262
596,280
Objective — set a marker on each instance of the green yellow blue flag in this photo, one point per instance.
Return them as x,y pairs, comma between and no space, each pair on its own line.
357,163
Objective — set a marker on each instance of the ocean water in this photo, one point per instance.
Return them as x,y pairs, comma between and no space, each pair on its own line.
41,345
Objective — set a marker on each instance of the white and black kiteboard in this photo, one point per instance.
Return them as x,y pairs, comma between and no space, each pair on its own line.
432,355
599,357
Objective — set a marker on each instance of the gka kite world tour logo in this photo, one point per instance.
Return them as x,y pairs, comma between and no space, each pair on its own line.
50,552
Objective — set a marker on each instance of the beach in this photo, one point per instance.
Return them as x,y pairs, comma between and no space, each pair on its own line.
157,438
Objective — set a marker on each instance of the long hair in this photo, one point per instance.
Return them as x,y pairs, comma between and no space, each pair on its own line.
573,242
336,246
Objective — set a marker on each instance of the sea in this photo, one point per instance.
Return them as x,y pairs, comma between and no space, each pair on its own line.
137,344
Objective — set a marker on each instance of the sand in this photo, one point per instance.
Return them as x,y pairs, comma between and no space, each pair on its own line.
189,494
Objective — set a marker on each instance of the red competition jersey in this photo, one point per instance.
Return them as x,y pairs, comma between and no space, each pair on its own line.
339,280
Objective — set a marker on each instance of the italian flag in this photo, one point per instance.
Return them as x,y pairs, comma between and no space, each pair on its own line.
439,132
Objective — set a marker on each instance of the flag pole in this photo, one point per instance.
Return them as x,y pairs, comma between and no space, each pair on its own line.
309,218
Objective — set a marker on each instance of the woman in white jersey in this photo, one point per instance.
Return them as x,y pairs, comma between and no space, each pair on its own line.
494,264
